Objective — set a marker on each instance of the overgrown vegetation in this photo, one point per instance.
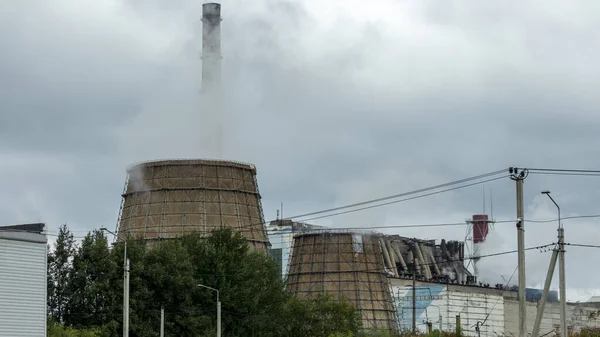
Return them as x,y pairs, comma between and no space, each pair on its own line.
85,291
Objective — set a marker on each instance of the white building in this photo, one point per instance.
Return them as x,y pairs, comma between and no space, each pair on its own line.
23,280
497,310
281,236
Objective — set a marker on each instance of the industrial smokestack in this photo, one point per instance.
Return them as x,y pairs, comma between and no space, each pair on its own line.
211,46
480,232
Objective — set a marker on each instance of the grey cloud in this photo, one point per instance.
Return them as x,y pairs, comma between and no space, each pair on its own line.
329,114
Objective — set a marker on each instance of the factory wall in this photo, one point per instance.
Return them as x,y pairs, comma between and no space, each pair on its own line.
579,315
440,304
23,258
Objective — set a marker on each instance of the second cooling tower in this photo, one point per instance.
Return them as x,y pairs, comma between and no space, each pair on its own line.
171,198
348,266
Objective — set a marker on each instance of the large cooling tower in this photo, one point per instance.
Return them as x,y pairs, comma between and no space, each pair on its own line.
348,266
171,198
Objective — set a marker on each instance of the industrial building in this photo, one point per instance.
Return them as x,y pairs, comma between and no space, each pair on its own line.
383,274
171,198
23,280
495,309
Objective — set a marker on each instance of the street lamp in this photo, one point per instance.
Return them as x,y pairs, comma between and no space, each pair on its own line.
125,286
561,270
218,309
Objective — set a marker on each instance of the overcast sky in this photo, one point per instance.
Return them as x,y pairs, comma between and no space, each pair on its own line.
335,102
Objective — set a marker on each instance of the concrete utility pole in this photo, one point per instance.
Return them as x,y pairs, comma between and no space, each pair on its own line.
218,309
540,313
125,286
561,271
518,176
414,301
562,281
162,321
126,299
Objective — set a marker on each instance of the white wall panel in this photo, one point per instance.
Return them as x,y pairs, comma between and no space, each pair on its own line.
22,288
578,316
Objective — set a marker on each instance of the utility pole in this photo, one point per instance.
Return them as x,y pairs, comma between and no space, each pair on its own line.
414,302
560,252
562,281
218,318
540,313
126,300
162,321
519,175
218,308
125,285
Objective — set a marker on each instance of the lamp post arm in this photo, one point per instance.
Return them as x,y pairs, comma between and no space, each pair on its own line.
558,207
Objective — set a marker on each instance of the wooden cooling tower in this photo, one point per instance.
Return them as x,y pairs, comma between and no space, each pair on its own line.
345,265
171,198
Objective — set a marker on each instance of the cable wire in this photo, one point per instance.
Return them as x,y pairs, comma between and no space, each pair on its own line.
402,200
582,245
563,170
426,189
494,306
566,174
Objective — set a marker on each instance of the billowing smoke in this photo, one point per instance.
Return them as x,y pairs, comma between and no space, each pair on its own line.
495,269
449,272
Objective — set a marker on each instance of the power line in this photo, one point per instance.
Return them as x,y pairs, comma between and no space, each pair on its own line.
497,300
566,218
582,245
426,189
566,174
564,170
401,200
448,224
423,225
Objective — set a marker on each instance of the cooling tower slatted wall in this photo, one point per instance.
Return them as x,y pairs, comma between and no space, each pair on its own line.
344,265
168,199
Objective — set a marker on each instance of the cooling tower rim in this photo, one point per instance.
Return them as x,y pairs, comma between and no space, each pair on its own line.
191,161
267,242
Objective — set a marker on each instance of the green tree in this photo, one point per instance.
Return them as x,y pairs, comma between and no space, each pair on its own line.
59,269
321,316
136,252
251,290
168,280
167,274
92,296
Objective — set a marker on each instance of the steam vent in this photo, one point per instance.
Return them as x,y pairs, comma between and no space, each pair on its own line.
348,266
171,198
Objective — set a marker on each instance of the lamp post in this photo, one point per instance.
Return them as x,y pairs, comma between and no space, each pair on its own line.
218,309
561,270
125,286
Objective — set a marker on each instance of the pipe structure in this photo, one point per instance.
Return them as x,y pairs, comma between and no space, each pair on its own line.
400,257
386,255
423,260
392,257
416,261
434,262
